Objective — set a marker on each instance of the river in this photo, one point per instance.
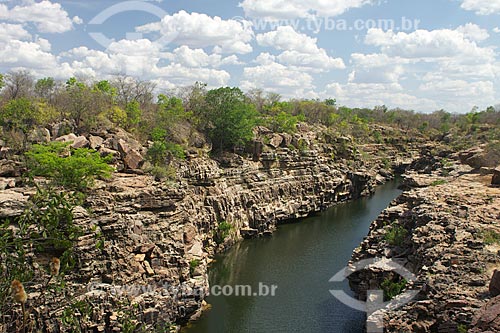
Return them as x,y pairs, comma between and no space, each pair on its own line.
299,259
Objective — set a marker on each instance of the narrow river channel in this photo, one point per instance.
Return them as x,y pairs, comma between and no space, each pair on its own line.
299,259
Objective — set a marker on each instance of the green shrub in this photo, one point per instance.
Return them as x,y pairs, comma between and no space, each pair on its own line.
392,289
176,150
284,122
396,235
490,237
75,169
222,232
228,118
157,153
163,172
46,226
193,264
438,182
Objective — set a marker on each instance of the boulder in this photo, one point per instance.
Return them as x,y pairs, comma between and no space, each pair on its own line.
258,148
494,287
131,157
62,128
249,233
39,135
67,138
7,183
496,176
275,141
287,140
488,318
12,203
133,160
5,152
478,157
9,169
95,142
80,142
106,152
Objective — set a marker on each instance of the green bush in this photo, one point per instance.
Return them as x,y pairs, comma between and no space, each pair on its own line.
176,150
438,182
193,264
19,114
284,122
229,118
222,232
75,169
392,289
490,237
46,226
163,172
396,235
157,153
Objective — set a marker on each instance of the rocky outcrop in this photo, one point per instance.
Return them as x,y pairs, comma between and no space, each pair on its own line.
147,243
445,231
488,318
495,180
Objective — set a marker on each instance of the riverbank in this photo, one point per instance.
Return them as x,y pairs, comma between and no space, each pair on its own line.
146,244
445,229
300,258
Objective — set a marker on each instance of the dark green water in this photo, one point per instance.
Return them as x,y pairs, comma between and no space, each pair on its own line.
300,259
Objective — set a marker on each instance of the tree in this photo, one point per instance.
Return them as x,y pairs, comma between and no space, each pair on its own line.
18,84
74,169
331,101
170,111
44,88
18,116
258,99
230,117
106,91
285,122
193,98
81,103
134,113
129,89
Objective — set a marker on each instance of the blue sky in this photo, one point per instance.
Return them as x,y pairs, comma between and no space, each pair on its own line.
421,55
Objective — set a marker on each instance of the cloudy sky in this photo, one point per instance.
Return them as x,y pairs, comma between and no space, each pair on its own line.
423,55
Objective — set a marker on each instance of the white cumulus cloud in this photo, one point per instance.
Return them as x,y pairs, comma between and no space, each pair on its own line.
286,9
199,58
47,16
482,7
430,44
274,77
200,30
376,68
299,50
10,32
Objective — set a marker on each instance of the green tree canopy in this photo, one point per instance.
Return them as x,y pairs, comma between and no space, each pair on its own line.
230,117
45,87
74,169
18,114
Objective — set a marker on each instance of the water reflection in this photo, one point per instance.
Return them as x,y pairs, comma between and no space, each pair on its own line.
300,258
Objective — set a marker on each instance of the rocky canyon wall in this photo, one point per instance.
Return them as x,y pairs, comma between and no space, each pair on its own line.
146,245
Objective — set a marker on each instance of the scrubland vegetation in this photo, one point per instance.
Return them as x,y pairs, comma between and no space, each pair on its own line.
224,116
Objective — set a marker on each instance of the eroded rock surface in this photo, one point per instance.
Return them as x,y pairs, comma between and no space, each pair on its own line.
147,243
443,231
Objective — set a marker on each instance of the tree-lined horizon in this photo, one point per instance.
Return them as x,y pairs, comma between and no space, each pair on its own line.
226,116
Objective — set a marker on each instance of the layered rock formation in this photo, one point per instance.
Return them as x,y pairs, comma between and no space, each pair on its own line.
146,244
444,229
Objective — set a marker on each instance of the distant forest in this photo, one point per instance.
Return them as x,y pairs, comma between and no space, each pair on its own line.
225,116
